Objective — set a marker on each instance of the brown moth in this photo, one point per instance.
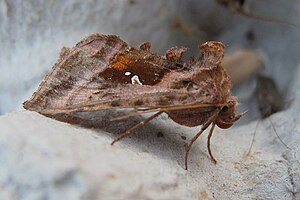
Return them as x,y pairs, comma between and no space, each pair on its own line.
102,72
268,97
269,101
238,6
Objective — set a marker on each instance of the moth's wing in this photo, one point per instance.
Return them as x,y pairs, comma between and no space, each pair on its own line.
75,68
103,72
149,97
100,65
86,99
212,54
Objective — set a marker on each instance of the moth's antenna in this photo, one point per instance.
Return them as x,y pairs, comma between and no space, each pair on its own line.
273,127
253,137
267,19
238,6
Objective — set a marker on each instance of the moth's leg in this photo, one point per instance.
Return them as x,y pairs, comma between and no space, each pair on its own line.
208,143
142,123
203,128
273,127
188,147
135,113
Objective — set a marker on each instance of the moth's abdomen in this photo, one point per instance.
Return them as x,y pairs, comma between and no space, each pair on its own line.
191,117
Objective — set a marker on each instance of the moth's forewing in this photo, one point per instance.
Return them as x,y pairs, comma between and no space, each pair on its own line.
104,72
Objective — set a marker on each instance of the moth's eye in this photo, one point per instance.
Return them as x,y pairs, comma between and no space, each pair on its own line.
224,109
230,117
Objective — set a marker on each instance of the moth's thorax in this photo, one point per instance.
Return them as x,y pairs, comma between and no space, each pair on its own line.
227,114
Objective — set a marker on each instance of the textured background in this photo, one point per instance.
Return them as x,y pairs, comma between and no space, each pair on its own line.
44,159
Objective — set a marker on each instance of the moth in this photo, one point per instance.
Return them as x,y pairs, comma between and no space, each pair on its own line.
238,6
269,101
268,98
102,72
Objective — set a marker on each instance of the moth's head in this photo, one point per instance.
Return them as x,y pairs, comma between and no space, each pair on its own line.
227,115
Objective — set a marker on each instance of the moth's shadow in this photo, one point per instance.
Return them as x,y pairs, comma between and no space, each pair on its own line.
160,139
